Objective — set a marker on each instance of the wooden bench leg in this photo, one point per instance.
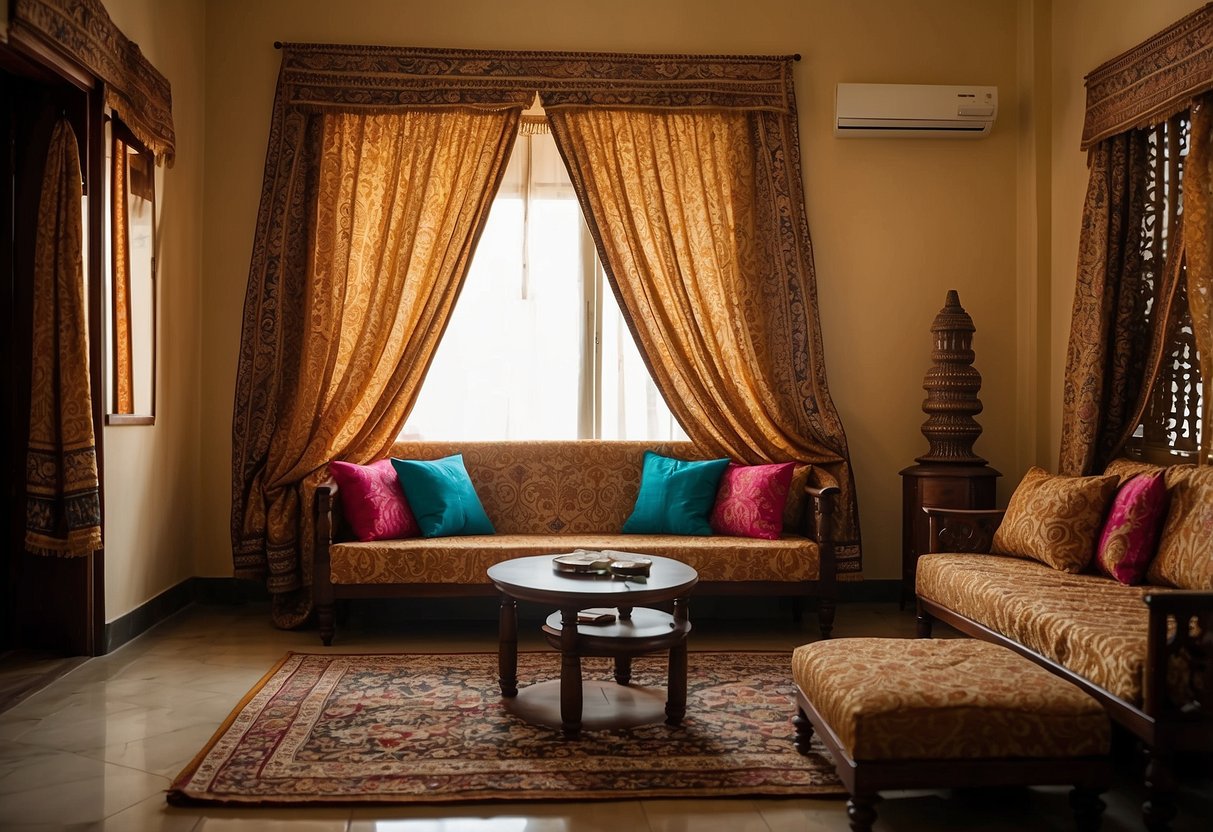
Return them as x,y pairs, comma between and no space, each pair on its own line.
925,624
327,621
861,811
1088,809
804,732
825,616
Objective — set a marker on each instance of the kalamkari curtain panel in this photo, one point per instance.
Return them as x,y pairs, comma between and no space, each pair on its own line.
296,408
1115,353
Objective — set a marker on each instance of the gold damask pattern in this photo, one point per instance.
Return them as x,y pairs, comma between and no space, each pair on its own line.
690,212
82,29
1151,81
464,560
1055,520
1125,469
1185,549
62,502
933,699
1091,624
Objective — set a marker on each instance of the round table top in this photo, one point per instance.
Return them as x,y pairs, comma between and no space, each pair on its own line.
536,579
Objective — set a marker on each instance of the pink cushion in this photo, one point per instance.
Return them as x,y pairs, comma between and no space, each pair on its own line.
751,499
373,501
1130,534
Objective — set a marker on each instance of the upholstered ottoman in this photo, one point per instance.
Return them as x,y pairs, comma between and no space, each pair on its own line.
940,713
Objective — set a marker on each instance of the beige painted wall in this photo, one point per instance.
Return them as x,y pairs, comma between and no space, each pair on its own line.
152,472
895,223
1086,33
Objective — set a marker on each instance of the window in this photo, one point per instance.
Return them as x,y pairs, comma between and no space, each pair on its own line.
536,347
1171,426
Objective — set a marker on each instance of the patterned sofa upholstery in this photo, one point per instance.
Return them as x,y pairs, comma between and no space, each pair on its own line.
1145,652
556,496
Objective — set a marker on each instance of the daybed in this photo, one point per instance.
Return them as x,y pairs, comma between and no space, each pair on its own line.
1144,651
556,496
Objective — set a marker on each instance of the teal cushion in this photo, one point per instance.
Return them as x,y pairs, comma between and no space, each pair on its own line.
676,496
442,497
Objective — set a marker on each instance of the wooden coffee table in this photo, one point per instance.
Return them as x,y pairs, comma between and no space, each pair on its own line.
638,629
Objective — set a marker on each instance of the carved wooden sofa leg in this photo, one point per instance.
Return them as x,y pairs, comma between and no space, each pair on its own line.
925,623
1158,810
825,616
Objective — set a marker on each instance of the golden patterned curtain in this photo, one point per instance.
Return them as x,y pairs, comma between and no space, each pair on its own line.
399,201
1133,132
63,506
699,222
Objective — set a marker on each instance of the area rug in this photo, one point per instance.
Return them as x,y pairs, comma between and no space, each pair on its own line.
398,729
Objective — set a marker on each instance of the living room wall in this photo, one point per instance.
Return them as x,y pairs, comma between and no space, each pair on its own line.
895,223
152,472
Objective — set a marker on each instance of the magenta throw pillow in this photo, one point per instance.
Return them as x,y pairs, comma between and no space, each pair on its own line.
373,501
1130,534
751,499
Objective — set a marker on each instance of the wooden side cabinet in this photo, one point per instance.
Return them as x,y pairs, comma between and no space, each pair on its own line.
936,484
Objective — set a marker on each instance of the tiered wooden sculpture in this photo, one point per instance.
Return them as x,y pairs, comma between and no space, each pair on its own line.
949,474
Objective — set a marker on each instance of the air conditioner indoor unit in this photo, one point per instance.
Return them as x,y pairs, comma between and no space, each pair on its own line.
919,110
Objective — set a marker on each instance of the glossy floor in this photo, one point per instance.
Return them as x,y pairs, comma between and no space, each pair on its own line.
96,748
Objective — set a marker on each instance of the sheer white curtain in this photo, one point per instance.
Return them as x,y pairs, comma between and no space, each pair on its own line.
536,347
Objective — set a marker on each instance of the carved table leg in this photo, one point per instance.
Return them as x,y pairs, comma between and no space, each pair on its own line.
861,810
676,684
507,646
804,732
623,670
1159,809
1088,809
570,675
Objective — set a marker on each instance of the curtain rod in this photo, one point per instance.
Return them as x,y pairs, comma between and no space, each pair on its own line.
278,45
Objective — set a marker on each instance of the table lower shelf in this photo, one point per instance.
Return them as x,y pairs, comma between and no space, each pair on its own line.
605,705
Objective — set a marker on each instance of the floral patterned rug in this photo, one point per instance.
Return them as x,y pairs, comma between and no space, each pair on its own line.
423,728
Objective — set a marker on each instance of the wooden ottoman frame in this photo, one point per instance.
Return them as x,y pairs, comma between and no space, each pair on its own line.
1088,775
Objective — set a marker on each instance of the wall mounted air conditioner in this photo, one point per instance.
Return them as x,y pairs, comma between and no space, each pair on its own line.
921,110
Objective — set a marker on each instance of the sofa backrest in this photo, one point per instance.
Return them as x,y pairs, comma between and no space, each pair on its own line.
553,487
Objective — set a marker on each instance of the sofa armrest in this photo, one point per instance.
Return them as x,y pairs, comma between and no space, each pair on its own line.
819,526
1179,654
962,530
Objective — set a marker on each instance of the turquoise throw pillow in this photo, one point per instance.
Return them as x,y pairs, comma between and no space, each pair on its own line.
442,497
676,496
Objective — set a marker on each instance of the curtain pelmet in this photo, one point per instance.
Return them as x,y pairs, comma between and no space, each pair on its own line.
698,224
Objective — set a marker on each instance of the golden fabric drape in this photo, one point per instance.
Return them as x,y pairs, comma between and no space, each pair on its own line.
1198,246
1109,339
63,508
124,382
690,209
400,200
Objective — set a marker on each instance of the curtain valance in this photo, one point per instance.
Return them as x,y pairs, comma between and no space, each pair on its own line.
353,77
82,30
1152,81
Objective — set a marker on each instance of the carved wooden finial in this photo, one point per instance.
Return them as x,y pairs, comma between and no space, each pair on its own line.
952,386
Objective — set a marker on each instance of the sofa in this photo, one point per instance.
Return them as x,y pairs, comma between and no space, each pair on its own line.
1145,651
557,496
